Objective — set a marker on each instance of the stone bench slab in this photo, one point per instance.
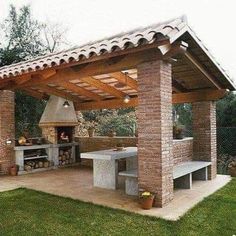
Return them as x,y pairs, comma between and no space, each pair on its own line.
189,167
129,173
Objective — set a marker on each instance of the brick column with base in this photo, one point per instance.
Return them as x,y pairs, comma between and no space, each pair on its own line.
7,128
204,134
155,130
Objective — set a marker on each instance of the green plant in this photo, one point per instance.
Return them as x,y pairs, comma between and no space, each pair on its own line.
178,131
146,195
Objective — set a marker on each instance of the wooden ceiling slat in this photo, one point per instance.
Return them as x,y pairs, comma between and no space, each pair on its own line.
54,91
104,87
80,91
200,68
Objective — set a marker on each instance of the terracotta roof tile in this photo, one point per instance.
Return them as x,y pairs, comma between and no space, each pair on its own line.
121,41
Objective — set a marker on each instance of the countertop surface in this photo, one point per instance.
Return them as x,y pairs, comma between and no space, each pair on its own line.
110,154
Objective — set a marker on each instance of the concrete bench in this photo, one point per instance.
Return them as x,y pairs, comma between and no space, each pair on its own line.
131,181
183,175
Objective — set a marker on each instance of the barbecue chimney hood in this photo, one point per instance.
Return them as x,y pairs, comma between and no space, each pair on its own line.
55,114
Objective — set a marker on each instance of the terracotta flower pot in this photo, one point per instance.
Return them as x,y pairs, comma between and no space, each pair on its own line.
13,170
146,203
232,171
91,132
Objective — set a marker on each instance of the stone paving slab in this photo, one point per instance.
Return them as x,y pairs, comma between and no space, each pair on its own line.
77,183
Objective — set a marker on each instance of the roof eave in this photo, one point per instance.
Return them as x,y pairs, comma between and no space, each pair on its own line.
187,29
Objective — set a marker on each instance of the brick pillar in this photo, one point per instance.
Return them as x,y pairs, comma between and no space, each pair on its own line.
204,134
7,128
155,131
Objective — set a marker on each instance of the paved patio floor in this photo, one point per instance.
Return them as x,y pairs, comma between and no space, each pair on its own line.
77,183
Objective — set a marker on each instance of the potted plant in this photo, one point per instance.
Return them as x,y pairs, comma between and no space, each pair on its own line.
146,200
119,147
91,128
13,170
232,168
178,131
112,133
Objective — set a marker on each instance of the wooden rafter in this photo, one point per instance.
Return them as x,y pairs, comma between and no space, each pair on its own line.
28,80
190,97
102,86
35,94
125,79
200,68
80,91
179,87
53,91
99,67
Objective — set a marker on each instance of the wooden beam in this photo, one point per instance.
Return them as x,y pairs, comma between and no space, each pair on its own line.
6,85
190,97
56,92
36,94
111,104
125,79
197,66
116,63
198,96
101,67
177,48
79,90
102,86
179,87
44,75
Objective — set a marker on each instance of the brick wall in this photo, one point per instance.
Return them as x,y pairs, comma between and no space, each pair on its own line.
7,128
154,115
182,150
204,133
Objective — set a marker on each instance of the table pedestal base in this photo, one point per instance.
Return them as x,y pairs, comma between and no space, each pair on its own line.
105,173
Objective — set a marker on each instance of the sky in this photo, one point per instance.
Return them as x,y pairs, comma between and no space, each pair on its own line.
89,20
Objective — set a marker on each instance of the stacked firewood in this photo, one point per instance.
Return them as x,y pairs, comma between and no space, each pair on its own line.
65,157
35,164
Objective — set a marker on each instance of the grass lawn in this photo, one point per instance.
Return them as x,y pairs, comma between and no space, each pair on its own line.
28,212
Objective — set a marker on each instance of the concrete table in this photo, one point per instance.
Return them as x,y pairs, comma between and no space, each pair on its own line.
105,165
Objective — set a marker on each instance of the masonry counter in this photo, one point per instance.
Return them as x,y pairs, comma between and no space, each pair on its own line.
105,165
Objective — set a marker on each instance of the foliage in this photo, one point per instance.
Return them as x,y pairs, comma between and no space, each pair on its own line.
183,113
28,212
21,35
22,38
226,111
123,124
223,161
122,121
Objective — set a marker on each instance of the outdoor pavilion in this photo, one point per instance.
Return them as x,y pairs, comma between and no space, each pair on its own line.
160,65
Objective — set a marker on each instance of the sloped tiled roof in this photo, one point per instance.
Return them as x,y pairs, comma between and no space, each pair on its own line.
170,30
134,38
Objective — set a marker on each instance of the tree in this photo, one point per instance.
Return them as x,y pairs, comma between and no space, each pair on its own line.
226,111
24,38
54,36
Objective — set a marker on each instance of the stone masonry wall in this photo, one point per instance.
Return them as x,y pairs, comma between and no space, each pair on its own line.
204,132
7,129
49,133
155,130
